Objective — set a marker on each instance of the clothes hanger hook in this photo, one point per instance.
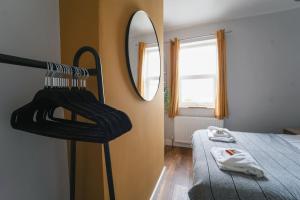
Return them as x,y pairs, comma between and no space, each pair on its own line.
82,75
62,75
51,75
83,78
46,76
57,75
76,77
87,76
66,75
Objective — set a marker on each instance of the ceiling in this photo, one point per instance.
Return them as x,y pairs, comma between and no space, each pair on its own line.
187,13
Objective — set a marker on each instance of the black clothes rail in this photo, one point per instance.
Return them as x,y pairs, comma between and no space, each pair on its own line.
25,62
93,72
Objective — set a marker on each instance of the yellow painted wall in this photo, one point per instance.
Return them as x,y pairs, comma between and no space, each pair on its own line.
79,26
137,157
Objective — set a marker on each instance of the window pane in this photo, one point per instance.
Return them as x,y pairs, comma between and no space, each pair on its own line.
198,92
151,88
198,58
152,62
151,72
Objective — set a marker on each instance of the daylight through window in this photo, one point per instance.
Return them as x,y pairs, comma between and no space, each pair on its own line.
198,67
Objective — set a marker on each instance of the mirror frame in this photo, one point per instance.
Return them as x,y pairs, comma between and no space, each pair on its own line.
128,59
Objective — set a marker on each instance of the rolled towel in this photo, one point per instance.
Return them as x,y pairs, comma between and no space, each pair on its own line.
222,139
219,134
236,160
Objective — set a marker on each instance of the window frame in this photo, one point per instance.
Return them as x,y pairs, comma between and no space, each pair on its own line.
191,44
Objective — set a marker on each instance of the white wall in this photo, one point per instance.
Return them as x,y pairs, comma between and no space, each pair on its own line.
31,167
263,70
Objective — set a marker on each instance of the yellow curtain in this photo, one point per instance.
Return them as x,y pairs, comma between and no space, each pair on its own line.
174,59
141,57
221,107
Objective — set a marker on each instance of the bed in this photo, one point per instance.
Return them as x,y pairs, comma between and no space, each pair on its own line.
276,153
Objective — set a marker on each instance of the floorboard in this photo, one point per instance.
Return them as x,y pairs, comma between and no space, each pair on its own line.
178,175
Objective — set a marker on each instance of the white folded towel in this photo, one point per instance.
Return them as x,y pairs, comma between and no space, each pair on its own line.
219,134
237,160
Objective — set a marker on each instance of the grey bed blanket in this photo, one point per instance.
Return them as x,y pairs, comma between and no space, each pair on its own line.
279,159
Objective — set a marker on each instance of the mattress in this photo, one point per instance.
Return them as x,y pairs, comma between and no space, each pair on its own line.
279,158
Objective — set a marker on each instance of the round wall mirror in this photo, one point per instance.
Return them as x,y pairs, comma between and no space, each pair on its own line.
142,54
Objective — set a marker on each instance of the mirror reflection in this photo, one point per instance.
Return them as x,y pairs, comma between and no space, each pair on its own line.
143,56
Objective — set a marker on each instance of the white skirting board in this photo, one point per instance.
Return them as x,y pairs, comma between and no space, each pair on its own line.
158,183
185,126
169,142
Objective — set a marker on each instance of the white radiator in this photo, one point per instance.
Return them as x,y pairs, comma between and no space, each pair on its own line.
185,126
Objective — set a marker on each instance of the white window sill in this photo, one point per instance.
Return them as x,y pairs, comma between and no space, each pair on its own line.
197,112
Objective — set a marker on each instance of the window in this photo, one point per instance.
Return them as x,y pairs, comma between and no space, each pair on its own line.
151,71
197,73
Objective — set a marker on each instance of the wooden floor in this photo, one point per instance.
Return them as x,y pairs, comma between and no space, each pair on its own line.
177,179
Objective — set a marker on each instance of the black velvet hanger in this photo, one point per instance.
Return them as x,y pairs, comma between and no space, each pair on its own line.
108,123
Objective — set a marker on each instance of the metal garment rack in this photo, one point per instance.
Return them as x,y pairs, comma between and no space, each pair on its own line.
93,72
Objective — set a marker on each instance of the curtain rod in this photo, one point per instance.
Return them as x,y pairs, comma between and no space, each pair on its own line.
201,36
191,38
